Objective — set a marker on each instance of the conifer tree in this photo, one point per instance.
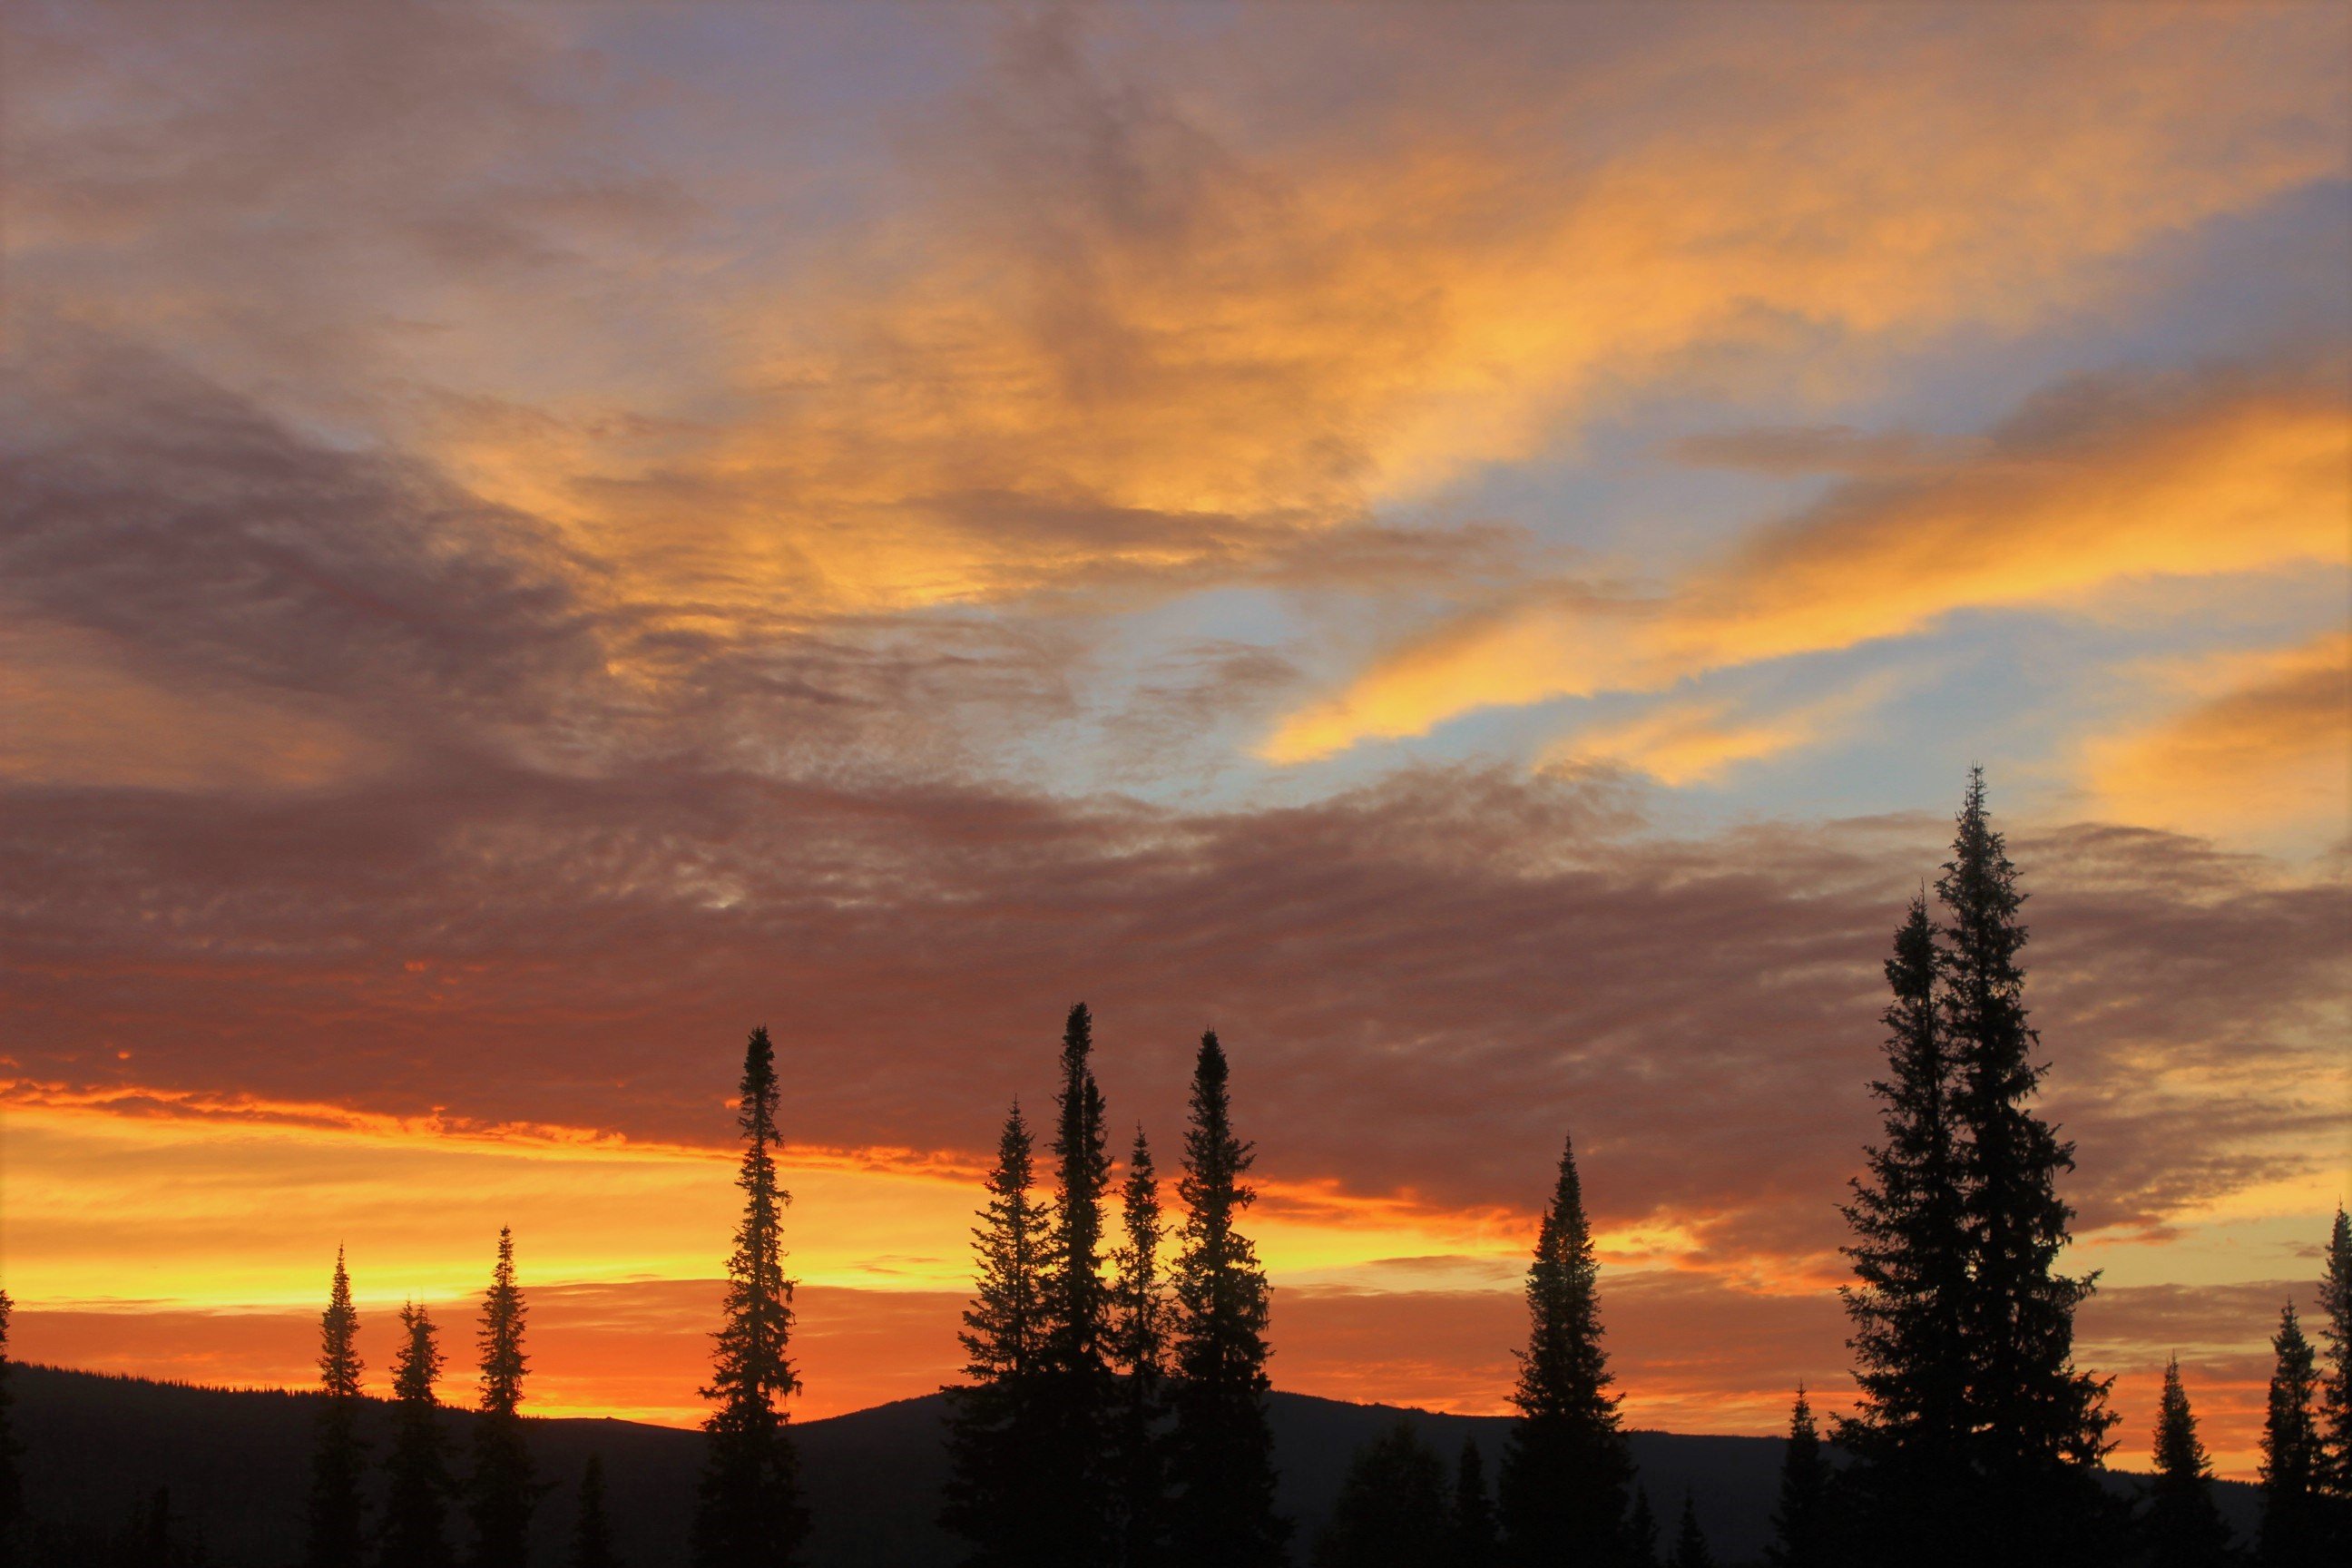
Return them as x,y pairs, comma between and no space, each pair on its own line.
1221,1450
502,1493
1690,1542
1642,1532
2037,1426
2292,1529
418,1485
333,1539
1075,1392
994,1492
1800,1521
1477,1542
1140,1347
748,1512
591,1527
1566,1469
12,1484
2182,1527
1391,1512
2335,1372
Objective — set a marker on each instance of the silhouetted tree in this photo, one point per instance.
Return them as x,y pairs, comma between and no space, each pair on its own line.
2037,1426
1222,1452
2291,1525
1690,1542
502,1492
333,1539
1140,1354
992,1490
748,1513
1477,1542
12,1484
2182,1527
591,1528
416,1471
1075,1392
1642,1532
1565,1469
1910,1253
1391,1512
1802,1536
2335,1372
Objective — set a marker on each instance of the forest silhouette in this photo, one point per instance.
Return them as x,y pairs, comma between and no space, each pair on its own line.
1113,1407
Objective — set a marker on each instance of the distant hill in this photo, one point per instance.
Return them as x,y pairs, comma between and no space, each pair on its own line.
237,1464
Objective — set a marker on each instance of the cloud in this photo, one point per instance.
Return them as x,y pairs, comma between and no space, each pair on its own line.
1700,740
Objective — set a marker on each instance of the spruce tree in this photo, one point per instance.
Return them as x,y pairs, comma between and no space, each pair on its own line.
1642,1532
2292,1529
1391,1512
1139,1355
1477,1542
2037,1426
334,1534
2181,1528
1075,1392
1800,1521
1910,1254
748,1512
1690,1542
993,1491
1221,1450
1566,1470
502,1493
591,1527
12,1484
416,1471
2335,1374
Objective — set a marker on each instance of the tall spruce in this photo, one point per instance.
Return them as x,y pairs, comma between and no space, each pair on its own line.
503,1493
1566,1470
1391,1512
2293,1530
1641,1530
1911,1261
12,1482
1140,1356
591,1525
1478,1539
2037,1426
2181,1528
2335,1374
1220,1458
748,1512
1801,1531
1690,1540
992,1490
333,1539
1076,1393
416,1471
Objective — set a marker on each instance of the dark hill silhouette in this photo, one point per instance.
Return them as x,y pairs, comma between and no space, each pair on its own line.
98,1447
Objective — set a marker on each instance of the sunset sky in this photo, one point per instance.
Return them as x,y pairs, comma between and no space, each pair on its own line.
1470,548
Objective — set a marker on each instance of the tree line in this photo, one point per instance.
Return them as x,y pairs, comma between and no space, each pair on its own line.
1113,1412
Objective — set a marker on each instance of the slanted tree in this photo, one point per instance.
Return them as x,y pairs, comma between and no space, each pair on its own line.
1690,1540
592,1526
1478,1541
416,1471
1221,1457
502,1493
2182,1529
1139,1355
1076,1391
1801,1520
1391,1508
333,1539
1565,1470
2335,1372
1910,1254
748,1512
12,1484
2037,1426
1642,1532
992,1490
2293,1528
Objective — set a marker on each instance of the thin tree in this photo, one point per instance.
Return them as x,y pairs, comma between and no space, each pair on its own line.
12,1484
416,1471
2335,1372
2037,1426
1565,1470
502,1492
2181,1528
1074,1529
748,1513
1801,1520
2292,1529
1641,1530
992,1490
591,1527
1391,1508
1690,1542
334,1535
1478,1539
1140,1354
1221,1450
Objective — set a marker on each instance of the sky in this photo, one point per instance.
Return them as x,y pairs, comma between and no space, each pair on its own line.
1470,548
